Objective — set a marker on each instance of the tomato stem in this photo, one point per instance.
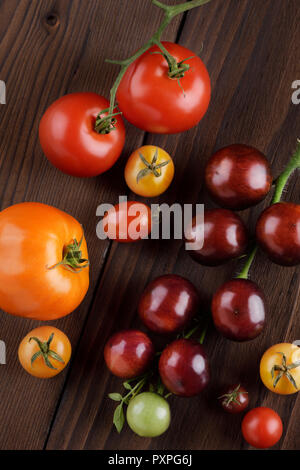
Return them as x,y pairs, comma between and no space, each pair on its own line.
232,396
280,183
152,167
202,322
284,370
45,351
105,124
72,257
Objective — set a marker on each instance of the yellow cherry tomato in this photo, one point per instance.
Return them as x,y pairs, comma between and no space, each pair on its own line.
45,352
149,171
280,368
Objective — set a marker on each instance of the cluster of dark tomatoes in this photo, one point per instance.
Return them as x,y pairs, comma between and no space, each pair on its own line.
237,177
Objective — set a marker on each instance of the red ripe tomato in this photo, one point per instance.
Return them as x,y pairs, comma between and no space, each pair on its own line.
69,140
154,102
127,222
262,427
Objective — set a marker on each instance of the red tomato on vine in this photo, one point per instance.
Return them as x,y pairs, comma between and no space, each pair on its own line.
69,138
157,99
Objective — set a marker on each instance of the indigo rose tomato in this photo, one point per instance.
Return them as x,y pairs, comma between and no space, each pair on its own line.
148,414
149,171
278,233
234,399
183,367
69,139
223,234
238,309
44,352
44,273
127,222
262,427
153,101
280,368
128,353
168,304
238,176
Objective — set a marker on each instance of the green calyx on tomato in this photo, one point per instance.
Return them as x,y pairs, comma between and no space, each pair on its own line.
176,69
106,124
72,257
284,370
150,167
232,397
45,352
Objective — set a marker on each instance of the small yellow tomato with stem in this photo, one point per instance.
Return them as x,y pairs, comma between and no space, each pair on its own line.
149,171
280,368
44,352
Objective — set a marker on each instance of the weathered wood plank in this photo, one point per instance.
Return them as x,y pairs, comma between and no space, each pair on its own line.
41,60
252,56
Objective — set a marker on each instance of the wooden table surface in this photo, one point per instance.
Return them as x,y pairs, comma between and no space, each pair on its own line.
52,47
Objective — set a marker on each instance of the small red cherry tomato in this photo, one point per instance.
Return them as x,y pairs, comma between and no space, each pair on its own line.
127,222
69,139
129,353
262,427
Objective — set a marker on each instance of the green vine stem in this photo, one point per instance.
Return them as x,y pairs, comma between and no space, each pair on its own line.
280,184
281,181
201,322
106,120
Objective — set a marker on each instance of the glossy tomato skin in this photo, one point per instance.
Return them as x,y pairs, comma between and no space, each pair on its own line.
238,309
149,185
238,176
225,237
129,353
148,414
32,239
168,304
127,222
274,357
234,399
183,367
152,101
60,344
68,138
278,233
262,427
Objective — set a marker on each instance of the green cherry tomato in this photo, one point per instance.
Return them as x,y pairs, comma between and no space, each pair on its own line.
148,414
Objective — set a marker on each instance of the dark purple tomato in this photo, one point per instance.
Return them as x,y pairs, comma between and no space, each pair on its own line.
234,399
238,309
278,233
225,237
238,176
183,367
168,304
129,353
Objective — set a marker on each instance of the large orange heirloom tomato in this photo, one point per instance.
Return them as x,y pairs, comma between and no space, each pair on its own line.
280,368
44,269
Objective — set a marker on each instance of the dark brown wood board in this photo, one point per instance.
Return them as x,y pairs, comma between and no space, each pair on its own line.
49,48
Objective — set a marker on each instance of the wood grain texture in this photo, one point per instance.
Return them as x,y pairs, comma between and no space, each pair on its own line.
40,62
251,49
